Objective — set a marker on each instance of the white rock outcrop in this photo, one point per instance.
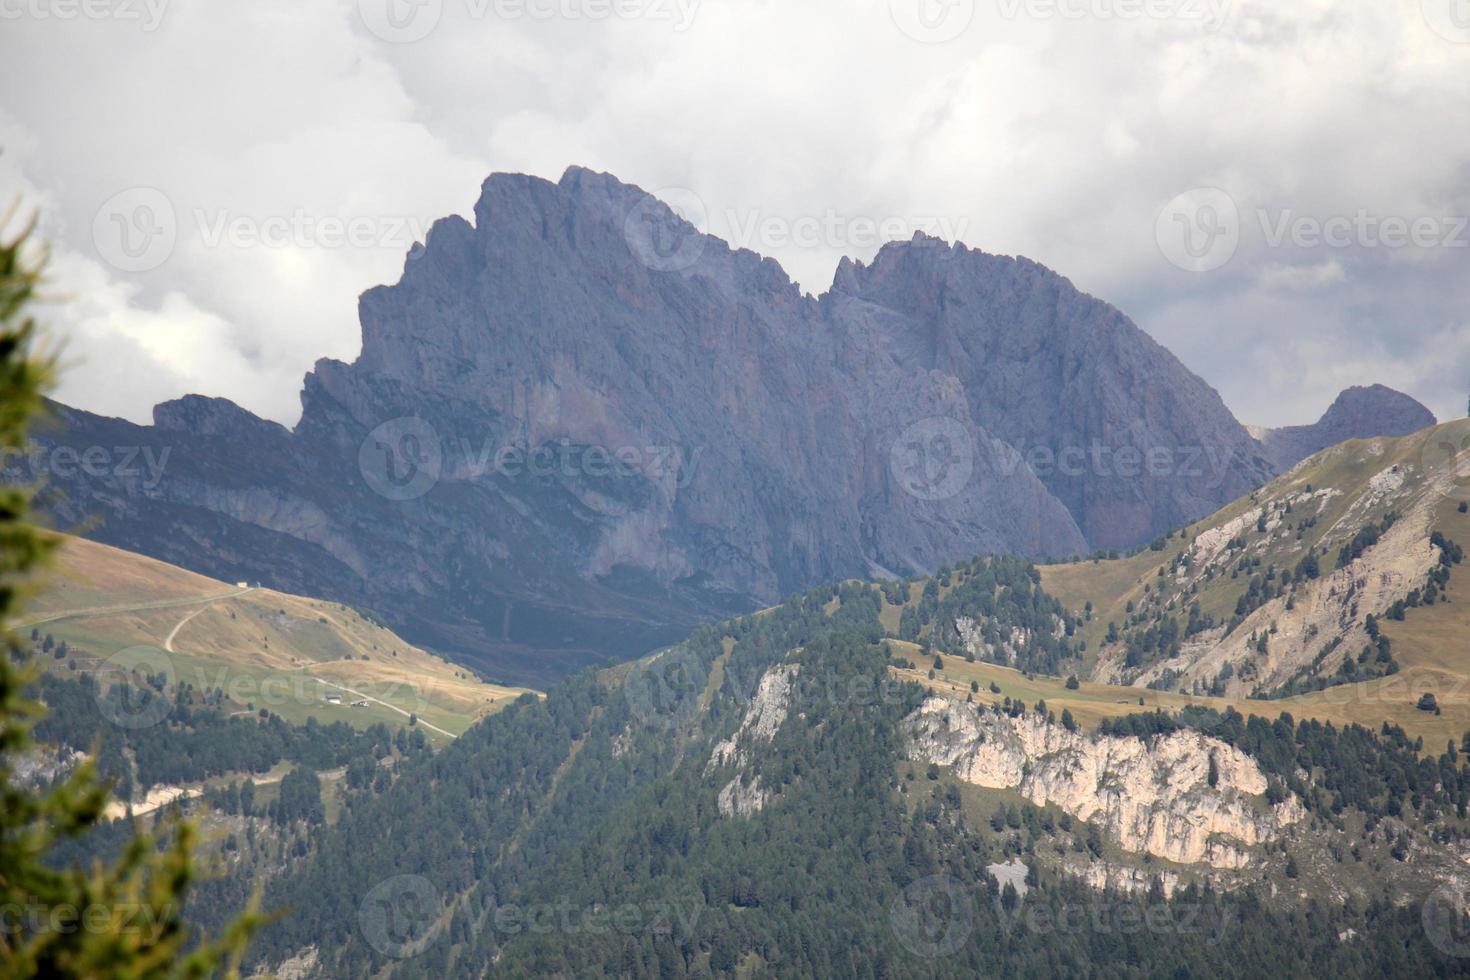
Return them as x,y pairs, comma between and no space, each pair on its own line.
743,795
1148,795
742,799
1101,876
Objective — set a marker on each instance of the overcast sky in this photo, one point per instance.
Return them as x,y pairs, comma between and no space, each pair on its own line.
1275,189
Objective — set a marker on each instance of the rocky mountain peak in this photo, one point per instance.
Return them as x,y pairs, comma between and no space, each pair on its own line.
200,415
1377,409
939,402
1357,413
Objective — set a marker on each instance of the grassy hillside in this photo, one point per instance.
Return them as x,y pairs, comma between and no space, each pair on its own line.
262,648
1339,499
1369,704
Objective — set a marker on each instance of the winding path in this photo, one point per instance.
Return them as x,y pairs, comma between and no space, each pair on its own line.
204,602
391,707
168,641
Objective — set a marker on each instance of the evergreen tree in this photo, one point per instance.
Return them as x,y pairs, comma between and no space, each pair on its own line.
150,879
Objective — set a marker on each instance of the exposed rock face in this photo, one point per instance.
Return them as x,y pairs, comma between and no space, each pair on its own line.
1102,876
762,719
1120,431
743,795
1358,413
558,447
1005,651
740,798
1149,795
302,966
1324,619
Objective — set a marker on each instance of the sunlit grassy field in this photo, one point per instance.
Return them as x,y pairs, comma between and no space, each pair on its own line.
262,648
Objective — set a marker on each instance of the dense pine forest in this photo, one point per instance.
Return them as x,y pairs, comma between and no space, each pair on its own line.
581,835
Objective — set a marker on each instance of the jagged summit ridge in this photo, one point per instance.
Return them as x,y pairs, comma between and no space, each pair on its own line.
938,402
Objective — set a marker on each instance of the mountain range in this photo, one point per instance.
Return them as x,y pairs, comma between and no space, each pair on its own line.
894,779
578,427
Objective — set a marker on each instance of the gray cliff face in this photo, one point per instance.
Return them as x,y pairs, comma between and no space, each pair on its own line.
1123,434
708,438
1358,413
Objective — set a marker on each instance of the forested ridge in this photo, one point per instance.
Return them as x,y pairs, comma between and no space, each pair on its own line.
580,835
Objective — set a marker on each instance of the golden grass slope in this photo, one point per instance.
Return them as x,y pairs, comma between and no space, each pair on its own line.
263,648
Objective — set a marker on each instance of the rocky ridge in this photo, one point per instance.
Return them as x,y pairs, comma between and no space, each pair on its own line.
1322,620
1358,411
743,795
1150,796
711,438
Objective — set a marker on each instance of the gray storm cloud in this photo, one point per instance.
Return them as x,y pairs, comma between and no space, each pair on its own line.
1275,190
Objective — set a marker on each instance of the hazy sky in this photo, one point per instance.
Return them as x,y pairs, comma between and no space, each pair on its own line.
219,180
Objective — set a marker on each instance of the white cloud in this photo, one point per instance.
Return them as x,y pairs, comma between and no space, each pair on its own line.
1059,137
1301,276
